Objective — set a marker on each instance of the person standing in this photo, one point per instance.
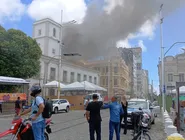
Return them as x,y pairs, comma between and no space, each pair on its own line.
1,110
17,106
85,104
37,107
94,118
124,104
115,112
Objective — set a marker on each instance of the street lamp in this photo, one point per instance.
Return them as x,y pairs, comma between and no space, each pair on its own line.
60,50
162,55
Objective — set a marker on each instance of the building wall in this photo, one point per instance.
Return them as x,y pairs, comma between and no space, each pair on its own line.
145,83
138,60
114,75
47,34
174,67
131,61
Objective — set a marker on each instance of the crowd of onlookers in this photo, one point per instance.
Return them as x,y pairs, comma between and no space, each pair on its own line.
117,113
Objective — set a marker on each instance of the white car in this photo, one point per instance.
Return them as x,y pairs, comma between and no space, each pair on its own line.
60,105
89,96
145,105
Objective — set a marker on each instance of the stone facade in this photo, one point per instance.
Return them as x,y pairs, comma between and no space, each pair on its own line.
174,67
114,74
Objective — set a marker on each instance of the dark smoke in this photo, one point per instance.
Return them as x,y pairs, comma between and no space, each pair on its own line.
101,30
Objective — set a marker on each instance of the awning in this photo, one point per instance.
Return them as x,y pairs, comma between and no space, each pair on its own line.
12,81
96,87
181,90
181,98
54,84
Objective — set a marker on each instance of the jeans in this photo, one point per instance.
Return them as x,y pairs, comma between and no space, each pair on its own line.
1,108
125,123
95,127
38,130
114,126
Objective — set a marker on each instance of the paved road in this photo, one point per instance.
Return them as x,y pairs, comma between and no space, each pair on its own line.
73,126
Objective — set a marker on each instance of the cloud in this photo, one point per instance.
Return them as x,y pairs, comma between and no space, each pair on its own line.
146,31
124,44
141,44
11,10
156,90
72,9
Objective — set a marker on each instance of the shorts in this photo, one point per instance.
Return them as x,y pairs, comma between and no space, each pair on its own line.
17,111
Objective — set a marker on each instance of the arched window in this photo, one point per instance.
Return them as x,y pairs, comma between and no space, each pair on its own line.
54,32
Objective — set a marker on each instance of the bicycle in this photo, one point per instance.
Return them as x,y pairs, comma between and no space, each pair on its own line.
140,123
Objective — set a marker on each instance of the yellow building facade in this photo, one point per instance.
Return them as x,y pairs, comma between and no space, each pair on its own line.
114,74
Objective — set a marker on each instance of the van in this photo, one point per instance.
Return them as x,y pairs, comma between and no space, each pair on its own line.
89,96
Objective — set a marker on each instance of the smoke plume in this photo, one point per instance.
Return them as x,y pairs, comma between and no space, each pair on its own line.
103,27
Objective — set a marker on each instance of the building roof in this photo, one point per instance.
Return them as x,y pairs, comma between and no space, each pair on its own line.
46,20
12,81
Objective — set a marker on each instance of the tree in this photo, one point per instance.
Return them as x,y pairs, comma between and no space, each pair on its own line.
19,54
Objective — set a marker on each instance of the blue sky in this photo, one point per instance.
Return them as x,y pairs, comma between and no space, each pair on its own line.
173,30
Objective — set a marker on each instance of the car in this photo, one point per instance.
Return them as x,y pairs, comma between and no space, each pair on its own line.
60,105
135,105
89,96
156,108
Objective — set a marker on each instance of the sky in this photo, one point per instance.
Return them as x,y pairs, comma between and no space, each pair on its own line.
20,14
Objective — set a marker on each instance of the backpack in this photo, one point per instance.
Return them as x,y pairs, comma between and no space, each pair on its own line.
48,107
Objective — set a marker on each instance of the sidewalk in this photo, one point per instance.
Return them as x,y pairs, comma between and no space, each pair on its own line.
6,115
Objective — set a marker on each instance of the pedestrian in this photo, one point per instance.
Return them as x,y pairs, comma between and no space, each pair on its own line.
124,104
17,106
115,112
1,110
94,118
85,104
37,107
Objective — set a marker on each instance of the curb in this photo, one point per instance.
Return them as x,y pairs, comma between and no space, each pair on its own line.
7,116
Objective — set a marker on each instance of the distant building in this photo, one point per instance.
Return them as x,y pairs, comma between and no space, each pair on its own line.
137,51
145,83
130,60
114,74
174,67
47,34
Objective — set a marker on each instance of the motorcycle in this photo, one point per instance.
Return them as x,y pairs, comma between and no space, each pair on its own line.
140,123
22,130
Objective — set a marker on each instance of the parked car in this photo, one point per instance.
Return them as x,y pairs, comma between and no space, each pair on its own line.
60,105
89,96
135,105
156,108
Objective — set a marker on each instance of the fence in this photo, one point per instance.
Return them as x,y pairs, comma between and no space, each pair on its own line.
8,108
168,102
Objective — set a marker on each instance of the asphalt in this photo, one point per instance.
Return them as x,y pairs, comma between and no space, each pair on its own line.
73,126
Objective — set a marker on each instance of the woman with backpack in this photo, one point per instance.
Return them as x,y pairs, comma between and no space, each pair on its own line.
37,108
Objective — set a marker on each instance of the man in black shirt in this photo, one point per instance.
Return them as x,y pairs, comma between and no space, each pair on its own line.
94,118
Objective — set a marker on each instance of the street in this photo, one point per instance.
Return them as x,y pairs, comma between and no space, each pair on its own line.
73,126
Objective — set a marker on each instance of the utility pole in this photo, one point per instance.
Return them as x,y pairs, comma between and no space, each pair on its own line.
162,59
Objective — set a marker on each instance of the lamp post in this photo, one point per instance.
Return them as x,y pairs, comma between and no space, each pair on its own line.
61,51
162,55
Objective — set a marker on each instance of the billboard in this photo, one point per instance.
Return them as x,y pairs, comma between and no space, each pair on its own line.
12,96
